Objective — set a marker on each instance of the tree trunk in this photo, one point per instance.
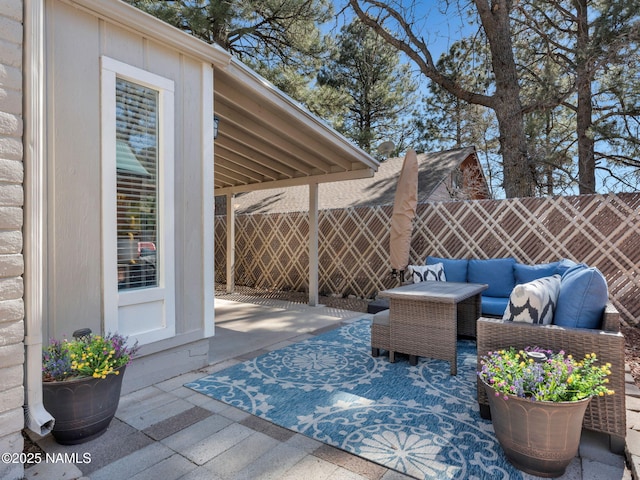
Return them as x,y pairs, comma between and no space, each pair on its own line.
586,145
519,178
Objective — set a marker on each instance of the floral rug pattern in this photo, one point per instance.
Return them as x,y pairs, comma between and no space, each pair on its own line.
418,420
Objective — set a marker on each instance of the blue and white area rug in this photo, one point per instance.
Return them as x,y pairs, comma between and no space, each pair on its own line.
418,420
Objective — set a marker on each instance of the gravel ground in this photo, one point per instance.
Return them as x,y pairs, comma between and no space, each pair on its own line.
632,351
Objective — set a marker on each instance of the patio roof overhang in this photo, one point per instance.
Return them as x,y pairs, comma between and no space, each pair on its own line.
265,139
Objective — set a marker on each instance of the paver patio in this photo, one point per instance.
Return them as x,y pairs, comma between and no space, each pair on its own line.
171,432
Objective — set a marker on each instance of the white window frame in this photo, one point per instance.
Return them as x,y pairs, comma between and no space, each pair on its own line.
160,298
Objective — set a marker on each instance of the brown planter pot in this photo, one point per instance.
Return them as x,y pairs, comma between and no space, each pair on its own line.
539,438
82,408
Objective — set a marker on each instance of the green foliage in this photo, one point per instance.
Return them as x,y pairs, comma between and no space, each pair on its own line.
93,356
568,54
543,375
268,35
375,89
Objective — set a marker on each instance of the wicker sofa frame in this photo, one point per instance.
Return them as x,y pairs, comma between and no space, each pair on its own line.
605,414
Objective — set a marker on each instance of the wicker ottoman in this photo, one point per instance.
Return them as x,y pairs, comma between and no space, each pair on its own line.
378,305
380,332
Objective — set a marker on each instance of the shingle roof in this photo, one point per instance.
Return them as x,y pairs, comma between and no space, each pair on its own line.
378,190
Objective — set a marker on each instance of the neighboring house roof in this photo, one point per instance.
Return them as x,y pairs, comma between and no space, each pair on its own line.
434,170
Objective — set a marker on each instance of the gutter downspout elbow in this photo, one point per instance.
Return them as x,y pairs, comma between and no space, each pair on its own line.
36,417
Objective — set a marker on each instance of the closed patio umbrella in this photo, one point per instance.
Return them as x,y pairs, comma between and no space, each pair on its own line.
404,210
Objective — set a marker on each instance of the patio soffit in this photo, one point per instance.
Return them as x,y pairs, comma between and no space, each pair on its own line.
267,140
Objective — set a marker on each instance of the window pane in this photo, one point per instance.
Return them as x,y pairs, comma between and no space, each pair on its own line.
137,185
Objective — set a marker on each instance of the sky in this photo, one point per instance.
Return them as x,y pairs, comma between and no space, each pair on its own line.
440,25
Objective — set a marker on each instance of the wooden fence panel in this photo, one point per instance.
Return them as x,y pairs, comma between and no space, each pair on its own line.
599,230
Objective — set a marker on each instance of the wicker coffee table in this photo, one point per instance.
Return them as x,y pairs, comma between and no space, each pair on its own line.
425,318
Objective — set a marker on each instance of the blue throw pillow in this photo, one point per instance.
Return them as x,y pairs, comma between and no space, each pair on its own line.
583,297
529,273
496,272
454,269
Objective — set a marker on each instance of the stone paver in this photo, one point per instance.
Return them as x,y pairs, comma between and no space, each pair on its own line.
273,464
632,449
199,432
50,471
134,463
218,443
171,468
313,467
144,418
168,427
229,463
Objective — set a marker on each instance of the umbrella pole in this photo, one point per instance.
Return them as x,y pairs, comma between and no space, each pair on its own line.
395,274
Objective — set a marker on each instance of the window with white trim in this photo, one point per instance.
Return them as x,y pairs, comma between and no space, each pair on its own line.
138,201
137,185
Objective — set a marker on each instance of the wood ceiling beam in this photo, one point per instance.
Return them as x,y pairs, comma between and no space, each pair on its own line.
250,156
275,146
292,182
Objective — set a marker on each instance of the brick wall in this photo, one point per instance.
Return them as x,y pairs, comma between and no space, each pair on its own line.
11,219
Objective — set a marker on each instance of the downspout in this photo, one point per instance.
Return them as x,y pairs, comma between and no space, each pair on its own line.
37,419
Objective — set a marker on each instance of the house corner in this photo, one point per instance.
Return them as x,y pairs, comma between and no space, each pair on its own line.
11,242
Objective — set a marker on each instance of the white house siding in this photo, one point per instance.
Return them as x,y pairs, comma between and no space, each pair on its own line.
75,41
11,219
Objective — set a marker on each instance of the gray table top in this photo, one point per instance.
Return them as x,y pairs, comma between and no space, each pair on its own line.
445,292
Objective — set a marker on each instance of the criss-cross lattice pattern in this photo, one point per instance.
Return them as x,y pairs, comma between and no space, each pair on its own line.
599,230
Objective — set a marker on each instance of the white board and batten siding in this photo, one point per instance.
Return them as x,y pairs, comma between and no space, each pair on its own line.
82,53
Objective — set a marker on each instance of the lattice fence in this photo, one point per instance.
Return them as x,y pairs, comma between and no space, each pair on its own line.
600,230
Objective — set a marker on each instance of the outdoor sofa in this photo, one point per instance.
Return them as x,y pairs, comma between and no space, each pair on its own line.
501,274
582,321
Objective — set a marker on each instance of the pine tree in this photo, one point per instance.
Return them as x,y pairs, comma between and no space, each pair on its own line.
378,91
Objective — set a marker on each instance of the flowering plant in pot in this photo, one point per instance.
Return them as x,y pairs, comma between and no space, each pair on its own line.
538,399
82,380
88,355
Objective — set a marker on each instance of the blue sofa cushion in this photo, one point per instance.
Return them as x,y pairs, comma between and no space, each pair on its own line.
583,298
529,273
496,272
454,269
564,265
494,306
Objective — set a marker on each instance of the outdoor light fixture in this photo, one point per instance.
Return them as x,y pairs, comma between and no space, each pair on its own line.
216,121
